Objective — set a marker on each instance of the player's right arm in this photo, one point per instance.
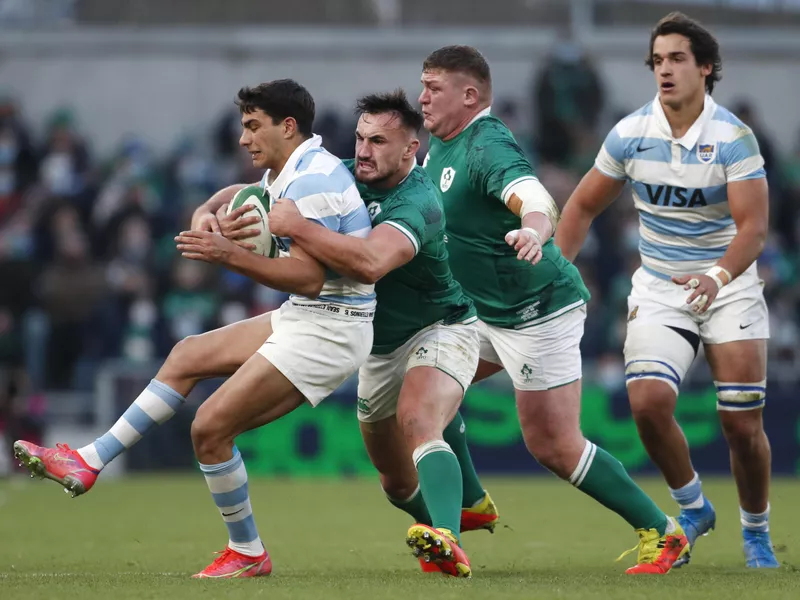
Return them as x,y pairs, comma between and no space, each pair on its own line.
365,260
500,169
592,196
595,192
298,273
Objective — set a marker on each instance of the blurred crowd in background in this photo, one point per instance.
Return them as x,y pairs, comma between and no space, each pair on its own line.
89,269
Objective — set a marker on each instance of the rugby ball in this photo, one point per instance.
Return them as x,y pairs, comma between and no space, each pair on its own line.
254,196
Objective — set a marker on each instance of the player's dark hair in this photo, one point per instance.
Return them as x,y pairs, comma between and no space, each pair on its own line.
279,99
704,45
391,102
460,59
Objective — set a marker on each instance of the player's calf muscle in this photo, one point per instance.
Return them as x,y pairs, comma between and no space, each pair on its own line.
391,458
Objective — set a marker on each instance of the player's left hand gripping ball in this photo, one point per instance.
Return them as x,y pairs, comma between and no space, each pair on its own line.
284,217
528,244
233,225
704,291
206,246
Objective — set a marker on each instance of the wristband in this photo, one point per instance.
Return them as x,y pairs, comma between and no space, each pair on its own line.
534,233
715,272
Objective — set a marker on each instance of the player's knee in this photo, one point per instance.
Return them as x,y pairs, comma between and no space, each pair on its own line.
743,429
553,450
555,459
397,487
183,358
206,432
656,359
652,401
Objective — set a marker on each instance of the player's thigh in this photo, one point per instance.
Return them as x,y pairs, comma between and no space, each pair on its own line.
544,356
550,419
256,394
220,352
734,333
390,455
429,400
739,371
441,364
485,370
744,360
661,342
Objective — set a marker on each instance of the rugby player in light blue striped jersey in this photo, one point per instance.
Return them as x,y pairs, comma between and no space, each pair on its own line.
699,184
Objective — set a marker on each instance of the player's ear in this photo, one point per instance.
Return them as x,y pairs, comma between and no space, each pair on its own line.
472,96
289,127
411,148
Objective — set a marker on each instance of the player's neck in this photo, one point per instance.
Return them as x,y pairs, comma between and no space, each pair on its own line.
681,118
283,158
464,123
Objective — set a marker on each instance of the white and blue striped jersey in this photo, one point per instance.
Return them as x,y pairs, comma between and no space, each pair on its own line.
680,185
325,192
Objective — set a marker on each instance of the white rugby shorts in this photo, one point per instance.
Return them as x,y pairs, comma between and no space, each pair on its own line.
539,357
739,312
315,351
452,349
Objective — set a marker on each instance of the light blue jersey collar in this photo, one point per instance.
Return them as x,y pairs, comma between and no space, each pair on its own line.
276,187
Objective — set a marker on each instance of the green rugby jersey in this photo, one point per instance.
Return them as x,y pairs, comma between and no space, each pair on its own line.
421,292
472,171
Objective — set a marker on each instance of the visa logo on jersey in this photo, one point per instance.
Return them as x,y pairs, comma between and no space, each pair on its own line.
667,195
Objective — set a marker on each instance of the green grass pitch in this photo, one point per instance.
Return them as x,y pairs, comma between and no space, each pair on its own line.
143,536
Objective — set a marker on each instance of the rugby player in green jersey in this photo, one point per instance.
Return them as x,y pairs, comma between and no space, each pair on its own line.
425,350
531,301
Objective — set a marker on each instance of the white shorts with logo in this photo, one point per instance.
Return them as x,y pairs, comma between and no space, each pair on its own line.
539,357
739,312
452,349
315,351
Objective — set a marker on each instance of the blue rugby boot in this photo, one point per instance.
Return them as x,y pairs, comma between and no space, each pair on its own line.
695,523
